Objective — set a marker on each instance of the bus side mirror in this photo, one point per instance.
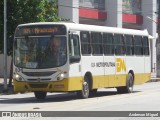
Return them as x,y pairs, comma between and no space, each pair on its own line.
74,59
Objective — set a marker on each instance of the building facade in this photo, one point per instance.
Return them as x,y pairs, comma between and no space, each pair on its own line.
132,14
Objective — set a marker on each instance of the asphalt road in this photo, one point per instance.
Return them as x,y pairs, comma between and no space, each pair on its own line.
146,97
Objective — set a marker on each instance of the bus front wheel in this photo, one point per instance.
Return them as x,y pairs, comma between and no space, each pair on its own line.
129,85
40,94
84,93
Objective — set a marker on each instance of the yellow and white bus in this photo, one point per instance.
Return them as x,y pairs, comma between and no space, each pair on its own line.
65,57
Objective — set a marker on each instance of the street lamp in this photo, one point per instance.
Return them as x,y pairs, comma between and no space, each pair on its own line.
155,66
5,44
151,19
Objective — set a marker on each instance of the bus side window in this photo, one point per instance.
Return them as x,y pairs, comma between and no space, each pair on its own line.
119,44
108,44
74,48
96,43
85,43
145,45
129,45
138,47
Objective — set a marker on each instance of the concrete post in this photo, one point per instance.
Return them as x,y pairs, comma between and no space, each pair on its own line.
148,10
114,13
69,10
158,42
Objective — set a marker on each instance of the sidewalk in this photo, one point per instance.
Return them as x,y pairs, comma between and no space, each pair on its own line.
154,78
9,88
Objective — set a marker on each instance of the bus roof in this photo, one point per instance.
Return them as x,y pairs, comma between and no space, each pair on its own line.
94,28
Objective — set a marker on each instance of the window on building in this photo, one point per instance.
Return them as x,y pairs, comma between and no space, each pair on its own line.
119,44
108,44
96,4
138,47
129,45
96,43
85,43
145,46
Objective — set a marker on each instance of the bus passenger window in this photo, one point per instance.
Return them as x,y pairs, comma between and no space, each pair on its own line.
85,43
138,47
129,45
119,44
108,44
145,46
96,43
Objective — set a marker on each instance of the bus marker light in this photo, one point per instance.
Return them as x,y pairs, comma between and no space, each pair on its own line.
65,72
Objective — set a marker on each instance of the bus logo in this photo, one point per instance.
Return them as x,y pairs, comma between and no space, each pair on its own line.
120,65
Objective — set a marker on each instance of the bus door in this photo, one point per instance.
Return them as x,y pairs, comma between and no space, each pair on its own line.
74,60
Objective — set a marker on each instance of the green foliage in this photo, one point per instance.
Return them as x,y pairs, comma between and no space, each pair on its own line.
49,13
26,11
1,25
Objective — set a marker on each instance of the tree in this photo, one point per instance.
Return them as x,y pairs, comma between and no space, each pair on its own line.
1,25
26,11
50,13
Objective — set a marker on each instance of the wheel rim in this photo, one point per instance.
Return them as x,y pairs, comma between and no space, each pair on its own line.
130,84
85,88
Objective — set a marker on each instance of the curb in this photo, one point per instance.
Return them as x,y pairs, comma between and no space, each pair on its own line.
9,90
154,80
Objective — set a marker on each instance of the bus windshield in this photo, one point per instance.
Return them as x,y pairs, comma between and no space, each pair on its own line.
40,52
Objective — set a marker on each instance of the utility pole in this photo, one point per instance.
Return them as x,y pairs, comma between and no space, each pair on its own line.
5,44
158,42
159,21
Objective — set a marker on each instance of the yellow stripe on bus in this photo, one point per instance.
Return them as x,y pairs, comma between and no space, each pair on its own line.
75,83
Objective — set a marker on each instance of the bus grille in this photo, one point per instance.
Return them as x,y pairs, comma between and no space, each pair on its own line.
38,85
39,73
37,80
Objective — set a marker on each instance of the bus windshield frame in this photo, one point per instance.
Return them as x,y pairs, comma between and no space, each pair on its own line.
46,49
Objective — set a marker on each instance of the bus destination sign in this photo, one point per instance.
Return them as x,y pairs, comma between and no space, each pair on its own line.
40,30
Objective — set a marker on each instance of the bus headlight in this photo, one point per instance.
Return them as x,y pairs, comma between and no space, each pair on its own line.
18,78
60,76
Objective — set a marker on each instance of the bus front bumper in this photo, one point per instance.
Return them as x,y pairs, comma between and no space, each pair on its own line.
65,85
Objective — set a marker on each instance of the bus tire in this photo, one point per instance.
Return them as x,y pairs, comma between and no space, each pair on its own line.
84,93
40,94
129,85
